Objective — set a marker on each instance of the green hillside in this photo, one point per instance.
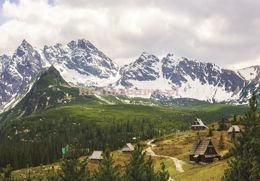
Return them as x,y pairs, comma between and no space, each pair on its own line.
54,114
173,145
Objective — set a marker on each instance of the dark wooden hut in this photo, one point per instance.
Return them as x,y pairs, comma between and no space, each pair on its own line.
198,125
128,148
203,151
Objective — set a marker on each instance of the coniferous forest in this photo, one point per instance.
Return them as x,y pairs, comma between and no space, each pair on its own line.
33,151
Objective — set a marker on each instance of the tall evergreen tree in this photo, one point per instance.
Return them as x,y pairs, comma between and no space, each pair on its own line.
221,142
6,173
233,135
210,133
138,169
72,168
135,170
246,150
234,121
149,170
163,174
106,170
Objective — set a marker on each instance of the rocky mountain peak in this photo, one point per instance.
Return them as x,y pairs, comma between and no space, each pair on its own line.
80,63
146,58
81,44
250,73
24,49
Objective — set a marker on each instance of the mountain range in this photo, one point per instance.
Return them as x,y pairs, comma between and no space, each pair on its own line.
81,64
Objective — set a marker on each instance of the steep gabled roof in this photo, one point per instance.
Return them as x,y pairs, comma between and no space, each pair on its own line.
96,155
199,122
200,147
128,147
235,128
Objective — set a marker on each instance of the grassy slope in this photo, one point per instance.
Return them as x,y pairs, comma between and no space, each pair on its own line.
176,145
179,145
166,119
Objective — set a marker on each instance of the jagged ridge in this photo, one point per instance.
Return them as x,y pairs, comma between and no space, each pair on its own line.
81,64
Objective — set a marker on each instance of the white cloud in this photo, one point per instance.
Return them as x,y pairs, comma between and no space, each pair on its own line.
123,29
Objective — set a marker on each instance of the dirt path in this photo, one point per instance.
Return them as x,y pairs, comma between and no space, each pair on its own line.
178,163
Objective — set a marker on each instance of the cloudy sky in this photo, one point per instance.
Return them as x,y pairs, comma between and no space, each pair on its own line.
226,32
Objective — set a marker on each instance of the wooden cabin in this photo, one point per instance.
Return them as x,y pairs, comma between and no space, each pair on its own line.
234,128
198,125
203,151
96,156
128,148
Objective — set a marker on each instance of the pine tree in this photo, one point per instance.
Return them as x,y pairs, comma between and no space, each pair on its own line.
138,169
233,135
234,119
6,174
149,170
73,169
246,150
222,124
221,142
106,169
135,170
210,133
163,174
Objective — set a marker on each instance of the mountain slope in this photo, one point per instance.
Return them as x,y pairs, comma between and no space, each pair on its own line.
81,64
250,73
202,81
19,72
177,77
47,91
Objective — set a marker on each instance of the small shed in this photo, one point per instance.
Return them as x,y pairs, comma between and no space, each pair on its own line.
128,148
198,125
234,128
96,156
203,151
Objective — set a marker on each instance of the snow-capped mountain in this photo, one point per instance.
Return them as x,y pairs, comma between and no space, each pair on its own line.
146,68
80,63
252,77
203,81
250,73
179,77
18,72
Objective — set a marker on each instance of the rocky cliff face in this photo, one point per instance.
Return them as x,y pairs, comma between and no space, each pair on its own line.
80,63
18,72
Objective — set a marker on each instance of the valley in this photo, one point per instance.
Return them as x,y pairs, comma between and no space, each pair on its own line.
74,93
172,150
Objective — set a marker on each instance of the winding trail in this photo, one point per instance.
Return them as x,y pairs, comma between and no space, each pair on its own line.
178,163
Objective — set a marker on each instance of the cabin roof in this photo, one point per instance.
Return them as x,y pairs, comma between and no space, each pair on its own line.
128,147
200,147
96,155
235,128
199,122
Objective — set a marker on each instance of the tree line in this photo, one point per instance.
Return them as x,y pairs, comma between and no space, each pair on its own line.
245,164
139,168
44,142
